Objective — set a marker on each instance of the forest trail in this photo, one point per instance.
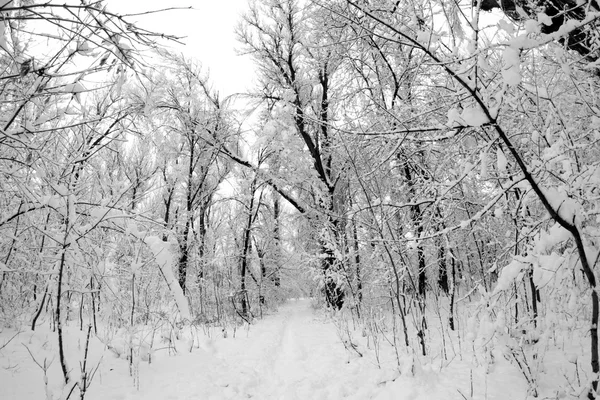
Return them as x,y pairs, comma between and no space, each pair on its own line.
293,354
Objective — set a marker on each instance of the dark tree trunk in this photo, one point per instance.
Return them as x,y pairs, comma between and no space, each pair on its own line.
442,270
243,272
201,245
452,292
422,270
184,248
246,248
39,310
275,277
168,201
334,294
59,326
137,186
182,263
359,286
415,216
534,297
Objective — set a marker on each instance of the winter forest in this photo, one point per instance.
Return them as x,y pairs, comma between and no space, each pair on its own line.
404,205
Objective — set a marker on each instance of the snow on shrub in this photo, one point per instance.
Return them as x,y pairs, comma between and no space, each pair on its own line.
164,258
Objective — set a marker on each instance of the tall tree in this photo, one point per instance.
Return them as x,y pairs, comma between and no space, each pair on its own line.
299,77
192,126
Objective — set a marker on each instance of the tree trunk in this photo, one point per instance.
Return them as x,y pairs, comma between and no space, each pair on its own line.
442,270
534,291
415,216
184,250
246,248
359,286
334,295
275,277
201,245
182,263
168,201
452,293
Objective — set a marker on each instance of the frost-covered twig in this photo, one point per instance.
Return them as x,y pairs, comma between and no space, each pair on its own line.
9,340
44,367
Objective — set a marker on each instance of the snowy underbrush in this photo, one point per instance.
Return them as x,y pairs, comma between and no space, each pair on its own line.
484,357
488,355
30,361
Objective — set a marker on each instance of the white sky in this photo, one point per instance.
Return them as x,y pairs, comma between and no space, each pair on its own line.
209,31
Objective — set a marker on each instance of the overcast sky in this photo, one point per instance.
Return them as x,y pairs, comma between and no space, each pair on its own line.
209,31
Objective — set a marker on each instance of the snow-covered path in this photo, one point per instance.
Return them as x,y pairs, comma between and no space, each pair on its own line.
293,354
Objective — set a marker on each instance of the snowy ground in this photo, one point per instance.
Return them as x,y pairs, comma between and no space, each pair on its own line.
295,353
